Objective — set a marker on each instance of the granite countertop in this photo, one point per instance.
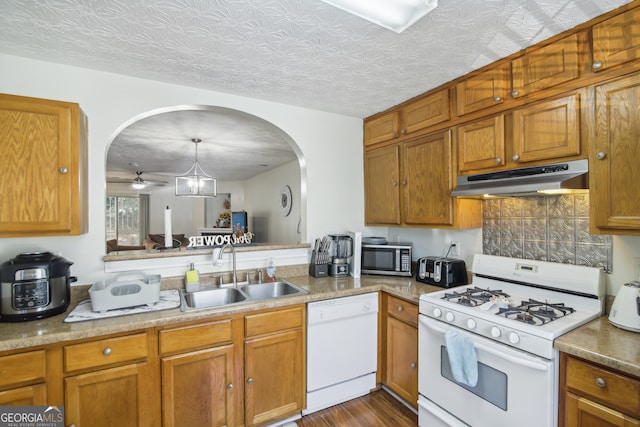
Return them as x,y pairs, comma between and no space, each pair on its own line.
53,330
600,342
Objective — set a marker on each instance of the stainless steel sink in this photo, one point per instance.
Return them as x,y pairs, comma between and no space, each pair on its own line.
209,298
219,297
270,290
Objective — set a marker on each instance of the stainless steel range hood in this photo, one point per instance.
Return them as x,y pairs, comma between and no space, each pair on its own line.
535,180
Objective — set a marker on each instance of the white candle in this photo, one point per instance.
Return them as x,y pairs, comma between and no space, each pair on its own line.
168,235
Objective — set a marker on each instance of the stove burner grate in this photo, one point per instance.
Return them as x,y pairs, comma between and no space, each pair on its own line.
472,297
535,312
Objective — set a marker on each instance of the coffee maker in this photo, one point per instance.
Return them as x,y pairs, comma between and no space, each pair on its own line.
341,251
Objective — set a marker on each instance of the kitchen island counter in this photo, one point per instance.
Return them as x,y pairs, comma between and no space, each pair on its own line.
54,330
600,342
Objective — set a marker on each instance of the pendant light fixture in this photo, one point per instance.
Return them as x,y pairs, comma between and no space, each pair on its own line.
195,182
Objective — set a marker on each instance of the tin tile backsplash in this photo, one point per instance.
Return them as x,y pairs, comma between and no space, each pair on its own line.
546,228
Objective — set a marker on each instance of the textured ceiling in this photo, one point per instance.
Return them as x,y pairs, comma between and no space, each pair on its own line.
299,52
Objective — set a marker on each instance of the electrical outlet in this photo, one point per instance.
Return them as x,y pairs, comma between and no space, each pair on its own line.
455,248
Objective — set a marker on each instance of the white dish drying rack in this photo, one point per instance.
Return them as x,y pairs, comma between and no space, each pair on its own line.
127,289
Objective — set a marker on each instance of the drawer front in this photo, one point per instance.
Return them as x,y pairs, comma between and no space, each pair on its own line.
608,387
190,337
274,321
105,352
23,368
402,310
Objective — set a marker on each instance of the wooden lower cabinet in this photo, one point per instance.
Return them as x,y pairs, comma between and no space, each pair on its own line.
596,396
198,388
24,396
112,381
274,365
22,379
401,375
119,396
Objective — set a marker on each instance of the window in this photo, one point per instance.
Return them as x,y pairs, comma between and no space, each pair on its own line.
127,219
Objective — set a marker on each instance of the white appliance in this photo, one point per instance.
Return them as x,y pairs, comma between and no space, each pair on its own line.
510,314
625,311
342,350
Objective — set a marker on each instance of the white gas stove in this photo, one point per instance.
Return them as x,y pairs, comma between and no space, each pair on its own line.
512,312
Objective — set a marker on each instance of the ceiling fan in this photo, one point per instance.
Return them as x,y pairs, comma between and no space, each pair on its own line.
138,183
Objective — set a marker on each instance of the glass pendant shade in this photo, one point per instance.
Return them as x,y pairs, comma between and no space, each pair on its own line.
195,182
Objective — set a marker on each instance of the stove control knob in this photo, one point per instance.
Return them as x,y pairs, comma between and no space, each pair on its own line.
514,338
471,324
495,332
450,317
437,312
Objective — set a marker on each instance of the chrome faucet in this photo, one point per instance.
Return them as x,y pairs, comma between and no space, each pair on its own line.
219,261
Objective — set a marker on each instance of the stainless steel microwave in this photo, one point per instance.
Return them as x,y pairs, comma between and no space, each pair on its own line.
392,259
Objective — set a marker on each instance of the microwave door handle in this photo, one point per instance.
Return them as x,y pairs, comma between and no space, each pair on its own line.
398,264
523,362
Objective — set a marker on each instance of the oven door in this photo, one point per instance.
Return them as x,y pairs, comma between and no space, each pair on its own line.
514,388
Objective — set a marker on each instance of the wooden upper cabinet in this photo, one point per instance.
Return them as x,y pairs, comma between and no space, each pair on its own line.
547,130
43,168
424,112
481,144
616,41
411,117
382,128
427,180
382,190
482,90
614,157
545,67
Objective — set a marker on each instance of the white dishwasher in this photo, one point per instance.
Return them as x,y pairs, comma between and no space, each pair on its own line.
342,349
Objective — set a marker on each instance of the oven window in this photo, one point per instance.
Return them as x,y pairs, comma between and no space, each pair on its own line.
491,386
378,259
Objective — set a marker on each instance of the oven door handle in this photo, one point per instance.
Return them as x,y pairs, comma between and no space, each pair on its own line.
517,360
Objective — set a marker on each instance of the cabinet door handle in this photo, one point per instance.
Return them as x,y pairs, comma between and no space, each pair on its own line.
497,98
394,134
515,157
600,382
596,65
400,308
106,351
413,365
394,183
600,155
63,170
403,131
404,182
498,160
250,381
230,386
515,93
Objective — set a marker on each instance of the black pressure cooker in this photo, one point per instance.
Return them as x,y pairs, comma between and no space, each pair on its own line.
34,285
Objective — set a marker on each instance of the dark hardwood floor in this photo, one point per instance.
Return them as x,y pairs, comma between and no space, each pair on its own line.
377,409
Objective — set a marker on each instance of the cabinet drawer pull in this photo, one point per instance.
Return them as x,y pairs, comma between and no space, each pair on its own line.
106,351
600,155
250,381
596,65
600,382
400,308
63,170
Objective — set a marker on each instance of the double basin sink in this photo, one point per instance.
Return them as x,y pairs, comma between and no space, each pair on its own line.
220,297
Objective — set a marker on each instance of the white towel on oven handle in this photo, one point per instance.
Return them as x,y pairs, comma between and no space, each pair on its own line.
462,357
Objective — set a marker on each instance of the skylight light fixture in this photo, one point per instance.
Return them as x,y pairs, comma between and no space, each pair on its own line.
195,182
395,15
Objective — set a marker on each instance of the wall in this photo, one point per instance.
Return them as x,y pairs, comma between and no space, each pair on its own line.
110,100
265,217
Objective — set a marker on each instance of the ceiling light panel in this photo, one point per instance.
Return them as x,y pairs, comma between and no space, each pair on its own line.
395,15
